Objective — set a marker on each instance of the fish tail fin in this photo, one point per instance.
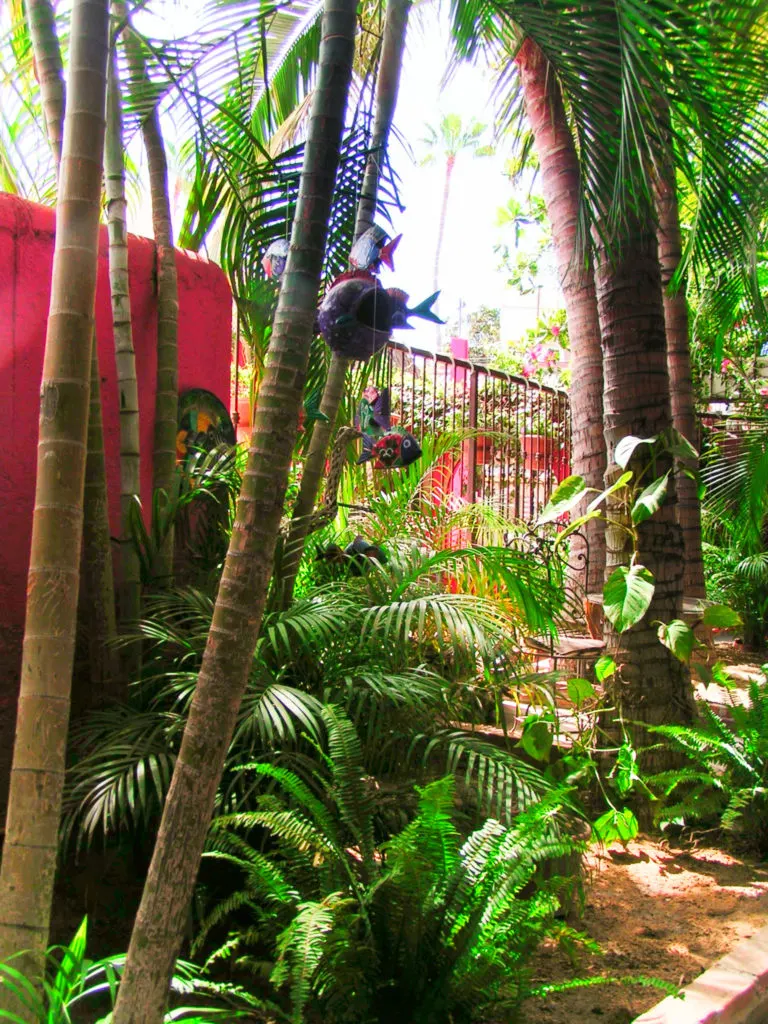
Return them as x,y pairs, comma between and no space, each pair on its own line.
424,310
367,453
388,251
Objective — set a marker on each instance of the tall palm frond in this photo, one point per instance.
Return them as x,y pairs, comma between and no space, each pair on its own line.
706,62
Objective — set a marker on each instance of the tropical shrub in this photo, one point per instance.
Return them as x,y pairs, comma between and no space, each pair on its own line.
74,985
424,926
724,780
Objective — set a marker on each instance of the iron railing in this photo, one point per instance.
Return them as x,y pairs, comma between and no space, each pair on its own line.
519,446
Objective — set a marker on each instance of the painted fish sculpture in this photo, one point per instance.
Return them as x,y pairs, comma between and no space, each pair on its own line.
373,414
275,258
393,451
372,249
356,556
357,315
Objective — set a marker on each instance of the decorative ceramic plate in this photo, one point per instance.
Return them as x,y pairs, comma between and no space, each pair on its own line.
203,422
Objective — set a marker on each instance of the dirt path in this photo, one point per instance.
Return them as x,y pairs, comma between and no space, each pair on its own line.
658,911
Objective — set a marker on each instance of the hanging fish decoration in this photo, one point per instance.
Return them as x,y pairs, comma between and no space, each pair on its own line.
372,249
310,409
355,317
401,310
356,557
372,416
275,258
393,451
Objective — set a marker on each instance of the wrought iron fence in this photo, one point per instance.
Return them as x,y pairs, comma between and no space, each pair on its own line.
519,446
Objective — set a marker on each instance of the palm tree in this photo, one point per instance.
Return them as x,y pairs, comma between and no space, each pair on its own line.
615,62
129,603
561,184
41,18
387,87
679,362
29,855
167,388
447,142
242,593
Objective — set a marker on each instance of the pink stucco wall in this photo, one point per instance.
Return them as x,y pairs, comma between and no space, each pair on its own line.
205,320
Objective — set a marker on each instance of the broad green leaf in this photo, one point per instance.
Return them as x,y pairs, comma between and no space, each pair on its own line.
678,637
574,526
579,690
537,738
651,499
617,484
616,826
720,616
704,672
605,667
565,497
681,448
625,771
627,595
626,447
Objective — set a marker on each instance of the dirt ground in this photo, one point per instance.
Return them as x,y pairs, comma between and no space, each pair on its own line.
656,910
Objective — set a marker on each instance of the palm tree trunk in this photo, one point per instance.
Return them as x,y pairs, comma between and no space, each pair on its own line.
129,593
387,88
651,685
96,629
561,184
96,605
450,162
167,393
50,72
248,568
312,475
37,775
680,379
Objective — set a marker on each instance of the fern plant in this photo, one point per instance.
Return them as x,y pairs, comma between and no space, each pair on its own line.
724,780
73,985
426,926
408,650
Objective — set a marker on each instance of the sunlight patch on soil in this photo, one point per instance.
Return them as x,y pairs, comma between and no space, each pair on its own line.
656,910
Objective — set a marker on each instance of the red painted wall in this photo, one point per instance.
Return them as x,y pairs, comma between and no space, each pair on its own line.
205,323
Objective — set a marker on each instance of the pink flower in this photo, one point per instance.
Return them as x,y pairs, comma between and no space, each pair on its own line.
555,329
528,370
764,391
726,365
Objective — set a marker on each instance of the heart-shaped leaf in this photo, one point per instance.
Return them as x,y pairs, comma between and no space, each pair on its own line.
616,826
678,637
605,667
537,738
651,499
579,690
565,497
627,595
720,616
626,447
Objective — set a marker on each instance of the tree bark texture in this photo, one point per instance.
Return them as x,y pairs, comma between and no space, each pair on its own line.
651,685
50,71
167,393
312,475
129,589
561,184
242,593
680,379
387,89
313,471
95,657
37,776
97,627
